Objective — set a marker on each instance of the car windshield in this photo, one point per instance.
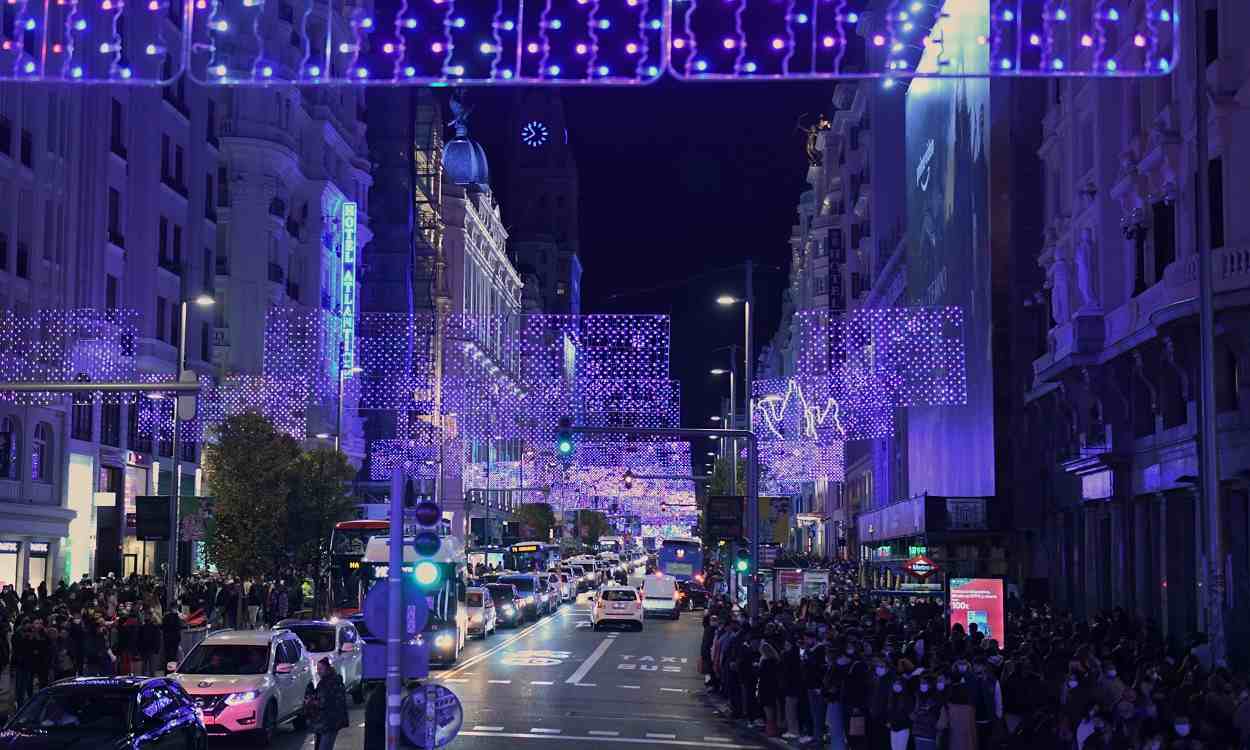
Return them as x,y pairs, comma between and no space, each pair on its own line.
620,595
318,639
475,599
501,593
522,584
217,658
76,709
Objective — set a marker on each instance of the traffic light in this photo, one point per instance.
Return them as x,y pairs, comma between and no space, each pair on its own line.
427,572
564,439
742,561
628,479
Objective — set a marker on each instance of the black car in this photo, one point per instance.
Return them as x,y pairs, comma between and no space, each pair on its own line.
693,596
144,713
509,609
527,586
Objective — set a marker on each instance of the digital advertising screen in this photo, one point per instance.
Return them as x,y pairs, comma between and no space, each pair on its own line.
980,601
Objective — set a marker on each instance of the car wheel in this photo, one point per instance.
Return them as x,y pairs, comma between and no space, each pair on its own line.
269,725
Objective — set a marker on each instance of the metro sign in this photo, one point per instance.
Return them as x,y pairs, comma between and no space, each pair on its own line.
920,566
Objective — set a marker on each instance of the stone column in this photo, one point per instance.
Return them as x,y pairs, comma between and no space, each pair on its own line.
1144,578
1090,549
1120,575
1159,539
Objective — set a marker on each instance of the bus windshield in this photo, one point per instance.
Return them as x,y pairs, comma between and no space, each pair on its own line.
680,558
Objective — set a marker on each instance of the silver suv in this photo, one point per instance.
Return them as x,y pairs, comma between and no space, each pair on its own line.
247,681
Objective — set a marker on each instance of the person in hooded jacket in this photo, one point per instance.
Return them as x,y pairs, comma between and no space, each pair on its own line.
330,699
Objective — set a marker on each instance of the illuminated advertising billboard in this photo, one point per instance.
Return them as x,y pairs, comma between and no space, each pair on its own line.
951,448
978,601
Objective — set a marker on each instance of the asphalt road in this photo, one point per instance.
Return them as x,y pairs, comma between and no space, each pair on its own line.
559,684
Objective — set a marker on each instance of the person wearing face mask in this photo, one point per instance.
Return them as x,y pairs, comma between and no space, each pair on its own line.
1110,687
832,692
878,705
815,664
1182,734
928,718
898,714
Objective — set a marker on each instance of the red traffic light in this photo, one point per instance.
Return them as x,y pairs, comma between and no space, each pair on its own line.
428,513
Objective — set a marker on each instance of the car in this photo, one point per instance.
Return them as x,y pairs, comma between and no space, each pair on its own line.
692,595
617,605
483,618
533,604
550,600
659,596
556,583
336,640
509,609
135,713
568,585
582,577
247,681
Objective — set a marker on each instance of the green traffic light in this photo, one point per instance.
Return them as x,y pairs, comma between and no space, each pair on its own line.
427,574
565,446
742,566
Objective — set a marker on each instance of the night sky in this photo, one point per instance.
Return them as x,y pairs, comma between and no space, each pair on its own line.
678,181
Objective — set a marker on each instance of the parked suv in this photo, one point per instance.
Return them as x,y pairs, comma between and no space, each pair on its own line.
337,641
247,681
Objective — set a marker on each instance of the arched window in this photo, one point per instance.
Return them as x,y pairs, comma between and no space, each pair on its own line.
41,453
10,441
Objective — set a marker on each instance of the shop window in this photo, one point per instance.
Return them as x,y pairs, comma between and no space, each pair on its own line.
10,443
81,418
41,453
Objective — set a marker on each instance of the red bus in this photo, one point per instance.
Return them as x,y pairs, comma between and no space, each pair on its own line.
348,573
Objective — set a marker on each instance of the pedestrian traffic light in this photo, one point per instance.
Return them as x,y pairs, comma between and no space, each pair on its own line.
742,561
427,572
564,439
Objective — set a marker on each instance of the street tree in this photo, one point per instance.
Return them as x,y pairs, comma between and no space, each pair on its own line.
249,467
593,525
538,518
320,498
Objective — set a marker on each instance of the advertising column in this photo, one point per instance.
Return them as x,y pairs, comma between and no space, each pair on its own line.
978,601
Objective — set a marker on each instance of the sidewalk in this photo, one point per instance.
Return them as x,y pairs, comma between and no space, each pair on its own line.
720,706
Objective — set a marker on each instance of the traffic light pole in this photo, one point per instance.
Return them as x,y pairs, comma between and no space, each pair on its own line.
753,494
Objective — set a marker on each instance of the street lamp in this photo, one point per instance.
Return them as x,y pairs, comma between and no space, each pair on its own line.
731,445
753,509
175,474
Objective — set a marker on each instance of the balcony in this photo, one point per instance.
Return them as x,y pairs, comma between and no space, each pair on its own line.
173,265
118,149
175,184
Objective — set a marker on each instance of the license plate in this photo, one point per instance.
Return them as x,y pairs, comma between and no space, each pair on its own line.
618,606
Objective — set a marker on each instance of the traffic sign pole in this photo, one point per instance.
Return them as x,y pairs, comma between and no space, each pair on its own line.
395,613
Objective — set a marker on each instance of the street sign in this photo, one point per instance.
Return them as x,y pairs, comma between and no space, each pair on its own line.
416,609
152,518
431,716
920,566
724,517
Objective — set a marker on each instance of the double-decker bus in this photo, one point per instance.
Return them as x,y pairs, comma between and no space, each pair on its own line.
347,584
680,557
448,624
532,557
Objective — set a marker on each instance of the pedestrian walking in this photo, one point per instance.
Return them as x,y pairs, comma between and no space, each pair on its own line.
330,699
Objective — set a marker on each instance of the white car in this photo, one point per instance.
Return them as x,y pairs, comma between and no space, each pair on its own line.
660,596
616,605
483,618
247,681
337,641
568,586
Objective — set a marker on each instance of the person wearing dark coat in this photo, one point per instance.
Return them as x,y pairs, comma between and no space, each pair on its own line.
148,647
171,636
330,699
769,686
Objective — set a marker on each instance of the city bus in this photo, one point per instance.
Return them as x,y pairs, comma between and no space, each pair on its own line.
348,540
448,625
681,557
490,557
531,557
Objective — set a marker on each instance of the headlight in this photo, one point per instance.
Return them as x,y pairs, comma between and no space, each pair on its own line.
235,699
475,618
442,641
529,600
508,609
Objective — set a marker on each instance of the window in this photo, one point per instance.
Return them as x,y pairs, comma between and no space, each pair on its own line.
4,251
188,451
162,241
1163,216
206,343
6,136
115,218
1215,197
48,235
164,156
209,213
81,418
50,139
110,292
28,149
178,173
223,188
41,453
160,318
10,444
1211,29
23,260
210,122
177,246
111,424
208,270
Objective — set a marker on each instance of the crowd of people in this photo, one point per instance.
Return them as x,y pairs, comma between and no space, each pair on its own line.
854,670
113,626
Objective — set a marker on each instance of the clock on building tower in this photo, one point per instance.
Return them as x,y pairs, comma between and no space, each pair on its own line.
535,133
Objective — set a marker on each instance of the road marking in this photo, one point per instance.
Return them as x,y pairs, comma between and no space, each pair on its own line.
601,738
455,679
480,728
716,739
474,660
540,730
603,733
587,684
658,736
672,690
632,687
499,682
539,682
587,665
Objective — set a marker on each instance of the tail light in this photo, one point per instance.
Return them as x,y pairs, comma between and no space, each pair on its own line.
347,648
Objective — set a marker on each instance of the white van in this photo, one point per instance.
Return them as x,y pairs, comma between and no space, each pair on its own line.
659,597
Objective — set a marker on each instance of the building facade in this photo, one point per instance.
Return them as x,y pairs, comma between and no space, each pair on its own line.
143,199
1114,397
